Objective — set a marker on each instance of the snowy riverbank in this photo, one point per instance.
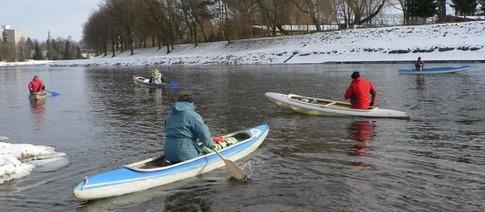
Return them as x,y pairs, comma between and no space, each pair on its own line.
18,160
439,42
26,63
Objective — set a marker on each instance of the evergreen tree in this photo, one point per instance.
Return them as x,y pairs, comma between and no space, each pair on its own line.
48,47
482,8
37,52
67,51
464,7
78,53
30,44
441,10
54,49
423,8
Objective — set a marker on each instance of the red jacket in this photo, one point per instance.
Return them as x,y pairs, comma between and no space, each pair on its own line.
358,92
36,85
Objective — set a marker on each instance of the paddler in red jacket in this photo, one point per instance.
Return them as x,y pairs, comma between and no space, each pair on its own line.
358,92
36,85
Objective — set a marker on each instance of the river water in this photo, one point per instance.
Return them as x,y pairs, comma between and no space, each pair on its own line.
101,120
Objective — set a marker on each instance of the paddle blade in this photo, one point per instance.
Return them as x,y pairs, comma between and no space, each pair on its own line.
235,171
53,93
174,85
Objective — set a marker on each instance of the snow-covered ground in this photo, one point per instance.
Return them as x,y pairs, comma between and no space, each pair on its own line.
26,63
18,160
439,42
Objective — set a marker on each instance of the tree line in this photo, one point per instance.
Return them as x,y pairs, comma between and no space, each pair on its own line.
124,25
416,11
51,49
468,7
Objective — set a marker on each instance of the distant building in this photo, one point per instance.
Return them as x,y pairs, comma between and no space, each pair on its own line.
10,34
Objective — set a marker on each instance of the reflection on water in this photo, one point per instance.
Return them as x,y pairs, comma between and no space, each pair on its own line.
37,108
193,199
420,82
362,132
307,163
174,85
157,94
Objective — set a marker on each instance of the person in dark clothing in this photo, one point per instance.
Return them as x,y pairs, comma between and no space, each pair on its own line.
419,64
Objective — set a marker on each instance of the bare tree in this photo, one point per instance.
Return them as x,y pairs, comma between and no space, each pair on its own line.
365,10
23,50
315,9
271,11
119,25
7,51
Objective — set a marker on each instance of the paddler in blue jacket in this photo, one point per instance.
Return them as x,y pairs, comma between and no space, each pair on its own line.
184,129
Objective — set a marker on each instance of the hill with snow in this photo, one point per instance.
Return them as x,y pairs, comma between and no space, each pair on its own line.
438,42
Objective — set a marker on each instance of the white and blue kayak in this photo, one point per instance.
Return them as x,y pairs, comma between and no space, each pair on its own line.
327,107
435,70
145,82
154,172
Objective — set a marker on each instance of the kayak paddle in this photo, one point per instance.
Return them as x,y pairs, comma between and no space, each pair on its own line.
174,84
233,169
53,93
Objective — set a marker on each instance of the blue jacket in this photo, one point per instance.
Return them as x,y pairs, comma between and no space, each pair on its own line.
183,127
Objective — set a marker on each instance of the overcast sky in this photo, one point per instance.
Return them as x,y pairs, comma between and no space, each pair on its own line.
62,18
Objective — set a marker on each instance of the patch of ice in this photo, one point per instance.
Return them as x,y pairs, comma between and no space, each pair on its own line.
18,160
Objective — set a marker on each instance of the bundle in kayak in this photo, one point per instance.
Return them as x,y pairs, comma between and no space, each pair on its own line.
154,172
316,106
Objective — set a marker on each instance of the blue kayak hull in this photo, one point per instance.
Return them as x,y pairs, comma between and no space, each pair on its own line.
436,70
131,179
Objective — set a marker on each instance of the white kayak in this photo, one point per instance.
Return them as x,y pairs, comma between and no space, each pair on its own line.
435,70
316,106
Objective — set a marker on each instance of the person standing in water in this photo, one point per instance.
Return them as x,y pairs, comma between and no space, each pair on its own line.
419,64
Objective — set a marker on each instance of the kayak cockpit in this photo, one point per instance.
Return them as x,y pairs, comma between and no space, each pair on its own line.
242,136
153,164
326,103
143,79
